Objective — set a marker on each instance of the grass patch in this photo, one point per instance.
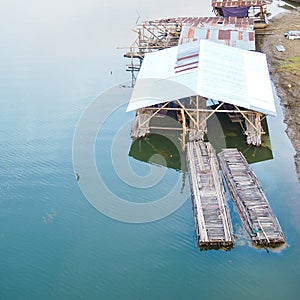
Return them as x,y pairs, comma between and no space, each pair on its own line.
290,65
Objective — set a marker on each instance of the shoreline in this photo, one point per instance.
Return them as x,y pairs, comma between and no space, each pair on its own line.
284,69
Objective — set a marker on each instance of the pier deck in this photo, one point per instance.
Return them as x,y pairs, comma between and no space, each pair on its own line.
251,202
212,218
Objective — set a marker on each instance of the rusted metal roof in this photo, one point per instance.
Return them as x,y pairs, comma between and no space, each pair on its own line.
226,3
230,22
232,31
234,38
206,21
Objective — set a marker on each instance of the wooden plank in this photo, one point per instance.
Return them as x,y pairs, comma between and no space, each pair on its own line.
251,202
212,219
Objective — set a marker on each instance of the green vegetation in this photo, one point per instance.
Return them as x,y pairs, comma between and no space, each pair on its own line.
290,65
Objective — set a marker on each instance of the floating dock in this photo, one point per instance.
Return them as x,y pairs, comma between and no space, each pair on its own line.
251,202
212,219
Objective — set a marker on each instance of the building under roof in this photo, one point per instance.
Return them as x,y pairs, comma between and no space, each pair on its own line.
211,70
200,59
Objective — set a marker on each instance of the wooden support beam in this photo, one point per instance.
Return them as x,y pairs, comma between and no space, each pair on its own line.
204,121
243,113
205,110
151,32
187,112
197,107
184,129
155,113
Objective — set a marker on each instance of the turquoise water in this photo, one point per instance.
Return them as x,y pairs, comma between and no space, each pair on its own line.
55,59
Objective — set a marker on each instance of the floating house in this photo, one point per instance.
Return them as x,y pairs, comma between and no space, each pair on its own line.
183,36
186,78
190,68
257,10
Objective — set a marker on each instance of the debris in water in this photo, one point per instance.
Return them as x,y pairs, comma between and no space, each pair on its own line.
77,176
49,217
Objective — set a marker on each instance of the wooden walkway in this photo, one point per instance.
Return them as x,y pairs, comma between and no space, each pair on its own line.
251,202
212,218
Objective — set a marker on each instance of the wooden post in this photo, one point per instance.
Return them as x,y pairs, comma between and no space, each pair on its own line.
197,103
184,129
155,113
139,117
203,122
190,116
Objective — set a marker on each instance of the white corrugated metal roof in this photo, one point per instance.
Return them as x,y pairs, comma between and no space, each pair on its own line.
224,73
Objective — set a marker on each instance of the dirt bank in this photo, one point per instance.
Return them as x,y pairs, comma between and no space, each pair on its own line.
285,71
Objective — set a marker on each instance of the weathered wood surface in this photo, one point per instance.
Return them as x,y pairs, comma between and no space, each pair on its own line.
198,131
253,130
141,124
212,218
196,135
249,197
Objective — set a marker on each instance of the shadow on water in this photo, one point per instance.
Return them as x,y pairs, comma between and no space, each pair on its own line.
221,134
144,149
235,138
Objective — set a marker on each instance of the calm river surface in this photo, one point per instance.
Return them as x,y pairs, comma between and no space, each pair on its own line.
56,57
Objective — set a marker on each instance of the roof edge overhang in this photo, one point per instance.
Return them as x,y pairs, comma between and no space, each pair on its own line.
237,77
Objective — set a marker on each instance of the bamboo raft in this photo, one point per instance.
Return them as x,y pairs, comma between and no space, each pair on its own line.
212,219
250,200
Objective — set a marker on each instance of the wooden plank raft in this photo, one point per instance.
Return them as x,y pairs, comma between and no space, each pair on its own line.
212,219
250,200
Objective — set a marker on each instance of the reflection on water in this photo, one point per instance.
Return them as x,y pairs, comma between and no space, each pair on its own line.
145,149
221,134
235,138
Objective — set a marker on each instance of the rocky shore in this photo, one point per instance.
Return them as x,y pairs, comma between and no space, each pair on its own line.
285,71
